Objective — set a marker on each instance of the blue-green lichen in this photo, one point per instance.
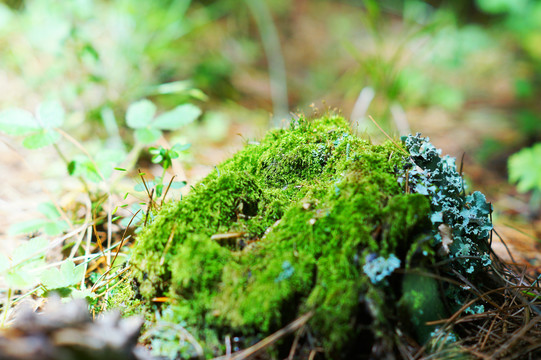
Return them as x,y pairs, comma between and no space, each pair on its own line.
466,216
379,268
461,227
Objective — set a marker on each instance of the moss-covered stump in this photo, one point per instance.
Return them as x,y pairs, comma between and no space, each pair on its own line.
311,218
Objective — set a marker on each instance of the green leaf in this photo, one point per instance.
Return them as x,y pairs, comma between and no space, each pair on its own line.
51,279
525,168
68,275
501,6
82,166
106,159
141,186
178,184
71,273
20,279
156,159
51,114
176,118
41,139
82,294
181,147
53,228
27,227
147,136
159,190
35,247
49,210
17,122
172,87
154,150
140,114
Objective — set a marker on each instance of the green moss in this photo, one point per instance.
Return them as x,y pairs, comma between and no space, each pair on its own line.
302,210
124,299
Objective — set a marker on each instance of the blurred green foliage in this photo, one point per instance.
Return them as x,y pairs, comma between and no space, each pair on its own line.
525,171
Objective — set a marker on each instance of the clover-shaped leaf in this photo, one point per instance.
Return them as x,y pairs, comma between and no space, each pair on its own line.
39,130
68,275
20,270
17,122
176,118
147,136
51,114
140,114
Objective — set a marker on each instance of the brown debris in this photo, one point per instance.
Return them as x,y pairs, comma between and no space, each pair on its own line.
65,331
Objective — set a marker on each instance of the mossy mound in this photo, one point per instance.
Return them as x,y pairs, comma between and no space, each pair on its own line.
285,227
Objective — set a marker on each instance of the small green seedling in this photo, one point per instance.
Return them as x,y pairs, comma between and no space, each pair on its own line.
164,157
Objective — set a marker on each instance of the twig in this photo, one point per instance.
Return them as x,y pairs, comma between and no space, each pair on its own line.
387,135
269,340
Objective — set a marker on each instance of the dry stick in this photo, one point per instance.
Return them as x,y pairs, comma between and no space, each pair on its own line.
98,238
478,354
167,189
483,343
88,222
115,285
88,217
388,137
516,336
476,291
141,174
110,226
295,343
504,244
527,350
168,244
149,207
88,253
269,340
123,239
453,318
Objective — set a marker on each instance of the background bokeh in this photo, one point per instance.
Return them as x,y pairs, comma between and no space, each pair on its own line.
465,73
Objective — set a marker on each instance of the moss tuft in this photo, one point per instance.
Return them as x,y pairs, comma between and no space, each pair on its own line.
283,227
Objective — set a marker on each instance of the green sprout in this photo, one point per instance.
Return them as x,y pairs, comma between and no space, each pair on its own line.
164,157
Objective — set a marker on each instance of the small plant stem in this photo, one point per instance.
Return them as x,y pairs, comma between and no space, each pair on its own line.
167,189
6,308
162,178
109,227
88,220
66,162
87,254
82,148
124,237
